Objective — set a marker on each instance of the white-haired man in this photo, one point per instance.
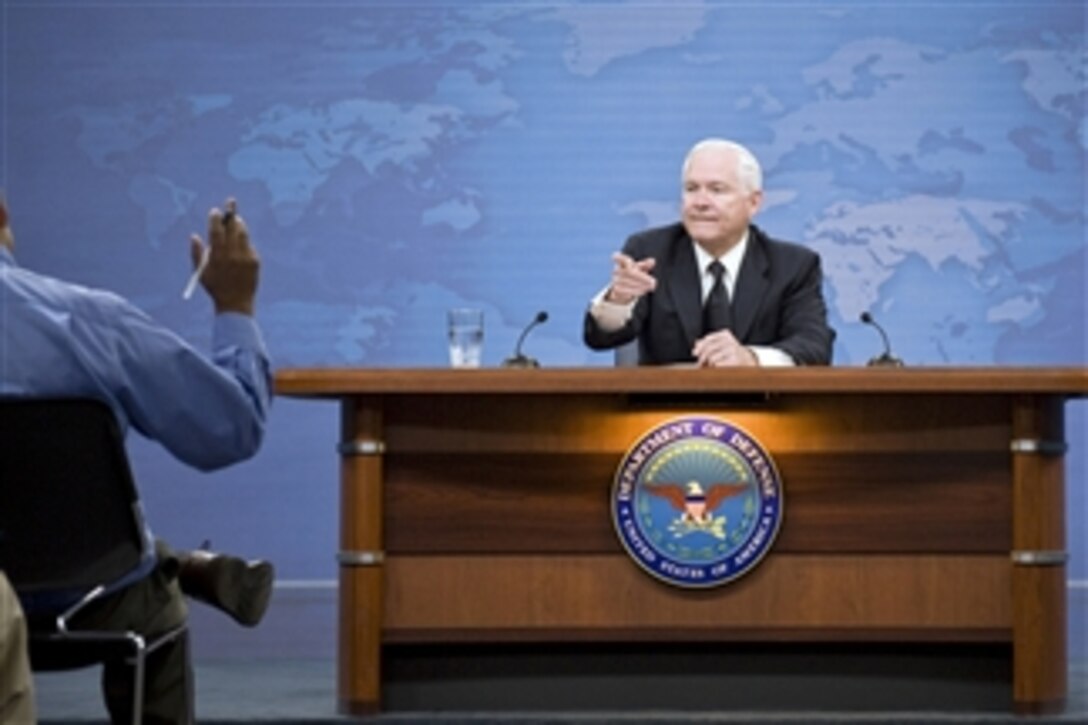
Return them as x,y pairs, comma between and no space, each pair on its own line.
714,289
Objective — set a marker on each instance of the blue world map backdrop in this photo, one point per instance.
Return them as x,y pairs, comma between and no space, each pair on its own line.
396,159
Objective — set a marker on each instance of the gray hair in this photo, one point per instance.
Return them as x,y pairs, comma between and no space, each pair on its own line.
748,170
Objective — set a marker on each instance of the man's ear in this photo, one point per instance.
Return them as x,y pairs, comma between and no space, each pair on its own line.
755,201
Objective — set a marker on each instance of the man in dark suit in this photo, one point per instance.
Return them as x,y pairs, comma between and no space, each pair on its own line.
715,290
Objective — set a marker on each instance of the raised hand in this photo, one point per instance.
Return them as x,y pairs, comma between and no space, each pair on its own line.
630,278
232,267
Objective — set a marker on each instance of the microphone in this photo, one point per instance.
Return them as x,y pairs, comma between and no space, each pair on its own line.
886,359
519,360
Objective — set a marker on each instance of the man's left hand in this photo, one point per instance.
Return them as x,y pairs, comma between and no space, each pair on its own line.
720,350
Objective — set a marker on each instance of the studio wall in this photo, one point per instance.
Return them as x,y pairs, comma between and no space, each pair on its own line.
395,159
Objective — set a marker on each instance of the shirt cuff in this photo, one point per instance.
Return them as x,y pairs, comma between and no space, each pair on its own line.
772,357
233,329
610,316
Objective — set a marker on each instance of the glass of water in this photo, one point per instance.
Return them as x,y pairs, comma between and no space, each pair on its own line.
466,331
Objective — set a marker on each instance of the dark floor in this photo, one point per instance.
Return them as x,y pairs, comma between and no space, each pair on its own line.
303,691
284,672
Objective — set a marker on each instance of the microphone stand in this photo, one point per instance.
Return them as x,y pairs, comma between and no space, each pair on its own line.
523,361
885,359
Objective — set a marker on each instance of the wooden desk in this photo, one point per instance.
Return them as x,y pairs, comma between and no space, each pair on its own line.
921,504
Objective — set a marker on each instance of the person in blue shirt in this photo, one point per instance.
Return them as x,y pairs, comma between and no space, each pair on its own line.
63,340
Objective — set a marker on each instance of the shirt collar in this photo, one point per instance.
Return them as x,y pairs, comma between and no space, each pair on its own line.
731,260
6,257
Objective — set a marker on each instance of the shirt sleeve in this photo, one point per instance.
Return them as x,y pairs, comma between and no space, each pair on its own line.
209,413
610,316
772,357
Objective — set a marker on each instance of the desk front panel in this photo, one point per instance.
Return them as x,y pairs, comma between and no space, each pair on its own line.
897,525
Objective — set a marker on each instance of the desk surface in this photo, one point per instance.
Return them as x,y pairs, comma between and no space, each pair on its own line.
337,382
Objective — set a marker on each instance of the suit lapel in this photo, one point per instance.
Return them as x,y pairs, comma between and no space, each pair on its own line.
751,285
685,288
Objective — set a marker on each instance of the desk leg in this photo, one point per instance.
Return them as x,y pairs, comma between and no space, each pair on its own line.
1038,556
361,557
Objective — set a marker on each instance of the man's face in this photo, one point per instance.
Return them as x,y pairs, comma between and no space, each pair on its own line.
716,207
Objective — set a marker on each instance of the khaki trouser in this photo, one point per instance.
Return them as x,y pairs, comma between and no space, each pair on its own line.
16,688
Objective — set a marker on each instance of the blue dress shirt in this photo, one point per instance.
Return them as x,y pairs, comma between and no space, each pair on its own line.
58,339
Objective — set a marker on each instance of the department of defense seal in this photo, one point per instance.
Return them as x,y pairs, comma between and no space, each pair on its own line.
697,502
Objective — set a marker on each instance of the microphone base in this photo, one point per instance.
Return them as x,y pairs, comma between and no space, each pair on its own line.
520,361
885,361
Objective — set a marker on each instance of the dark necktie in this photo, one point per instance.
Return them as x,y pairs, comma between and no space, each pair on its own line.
717,312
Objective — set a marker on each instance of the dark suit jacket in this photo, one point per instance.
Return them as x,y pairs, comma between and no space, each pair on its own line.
778,301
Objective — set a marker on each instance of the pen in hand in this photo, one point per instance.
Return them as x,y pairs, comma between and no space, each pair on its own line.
190,288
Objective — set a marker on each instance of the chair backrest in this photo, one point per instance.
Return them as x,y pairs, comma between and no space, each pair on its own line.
626,355
70,517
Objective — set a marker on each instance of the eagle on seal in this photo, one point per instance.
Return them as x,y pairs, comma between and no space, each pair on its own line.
696,506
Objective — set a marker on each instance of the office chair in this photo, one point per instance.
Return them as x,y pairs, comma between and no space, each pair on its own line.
626,355
72,530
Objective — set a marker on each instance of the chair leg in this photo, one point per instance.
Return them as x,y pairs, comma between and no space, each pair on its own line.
138,679
142,649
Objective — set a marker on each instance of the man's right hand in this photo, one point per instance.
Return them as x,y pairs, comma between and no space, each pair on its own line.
630,279
233,265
